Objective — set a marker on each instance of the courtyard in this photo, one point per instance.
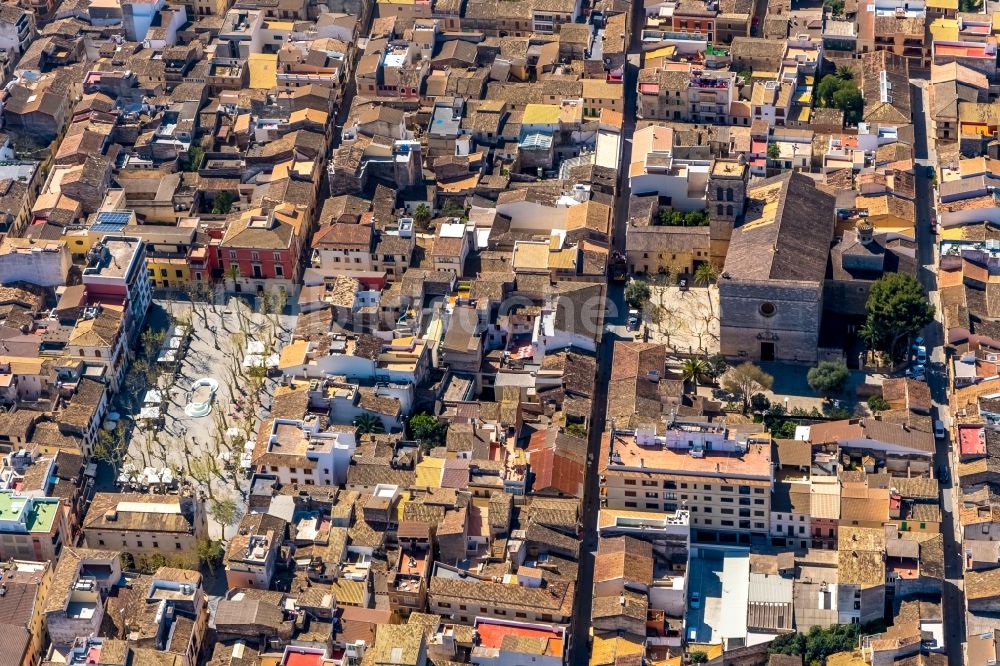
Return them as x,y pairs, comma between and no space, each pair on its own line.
686,321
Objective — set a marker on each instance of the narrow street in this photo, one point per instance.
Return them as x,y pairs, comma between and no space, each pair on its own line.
953,600
579,652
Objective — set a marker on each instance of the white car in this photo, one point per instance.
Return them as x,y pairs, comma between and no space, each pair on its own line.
939,432
920,352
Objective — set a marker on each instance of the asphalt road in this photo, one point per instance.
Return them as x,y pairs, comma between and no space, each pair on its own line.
953,596
579,652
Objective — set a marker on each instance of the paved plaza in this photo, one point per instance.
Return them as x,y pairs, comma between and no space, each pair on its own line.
202,428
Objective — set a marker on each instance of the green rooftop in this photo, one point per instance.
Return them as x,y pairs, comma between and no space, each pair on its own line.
38,518
714,50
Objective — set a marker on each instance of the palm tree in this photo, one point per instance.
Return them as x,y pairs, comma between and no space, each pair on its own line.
845,73
369,424
706,273
233,272
870,335
693,369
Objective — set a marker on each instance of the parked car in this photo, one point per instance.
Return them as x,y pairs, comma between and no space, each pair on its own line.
920,352
632,323
939,431
696,600
916,372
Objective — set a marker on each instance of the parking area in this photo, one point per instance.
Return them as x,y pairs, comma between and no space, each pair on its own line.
720,581
209,390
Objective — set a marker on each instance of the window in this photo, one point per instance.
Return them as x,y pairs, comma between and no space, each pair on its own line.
718,209
100,542
629,493
138,544
521,615
768,309
232,254
444,604
277,256
629,482
179,274
163,272
630,505
177,546
729,194
727,523
255,256
156,545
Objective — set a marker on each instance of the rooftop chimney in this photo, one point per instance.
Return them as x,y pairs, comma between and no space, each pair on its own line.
866,233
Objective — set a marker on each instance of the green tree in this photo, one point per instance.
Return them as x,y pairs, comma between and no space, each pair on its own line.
428,430
637,294
818,643
694,369
577,430
233,272
698,657
877,404
828,378
745,380
127,561
223,203
195,155
225,512
840,91
825,89
110,445
849,100
369,424
422,216
717,366
773,152
760,403
970,6
210,553
706,274
897,309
